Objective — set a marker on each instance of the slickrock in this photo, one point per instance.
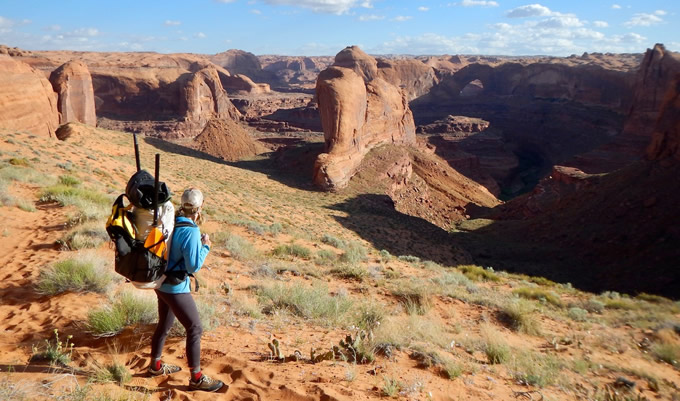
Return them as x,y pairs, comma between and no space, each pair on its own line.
73,84
27,101
359,111
666,137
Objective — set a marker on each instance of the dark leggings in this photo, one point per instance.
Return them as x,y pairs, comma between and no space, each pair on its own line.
184,307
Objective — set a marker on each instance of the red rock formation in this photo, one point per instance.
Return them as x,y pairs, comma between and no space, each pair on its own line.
455,125
226,139
73,84
204,98
413,76
359,111
238,62
666,137
27,101
655,75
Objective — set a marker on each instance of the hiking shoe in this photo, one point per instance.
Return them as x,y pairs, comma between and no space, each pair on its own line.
166,369
205,384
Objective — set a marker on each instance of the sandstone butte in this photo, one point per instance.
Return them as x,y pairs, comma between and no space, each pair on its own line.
73,84
27,101
359,111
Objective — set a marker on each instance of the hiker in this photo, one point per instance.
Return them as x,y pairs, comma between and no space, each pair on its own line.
188,250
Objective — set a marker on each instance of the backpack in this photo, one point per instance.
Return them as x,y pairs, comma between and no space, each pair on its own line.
140,190
135,260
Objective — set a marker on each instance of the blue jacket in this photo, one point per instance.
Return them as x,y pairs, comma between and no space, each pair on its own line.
186,253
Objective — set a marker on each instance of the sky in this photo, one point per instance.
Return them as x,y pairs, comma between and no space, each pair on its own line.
324,27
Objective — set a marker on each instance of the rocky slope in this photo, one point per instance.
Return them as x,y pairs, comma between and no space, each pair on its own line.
73,84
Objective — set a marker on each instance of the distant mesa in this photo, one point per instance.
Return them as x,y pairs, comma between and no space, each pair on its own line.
359,111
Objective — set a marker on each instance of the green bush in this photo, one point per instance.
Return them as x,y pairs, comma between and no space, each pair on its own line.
114,372
82,273
539,295
294,250
354,253
69,181
325,257
68,195
333,241
409,258
520,316
478,273
313,303
127,309
350,272
578,314
667,352
535,369
369,316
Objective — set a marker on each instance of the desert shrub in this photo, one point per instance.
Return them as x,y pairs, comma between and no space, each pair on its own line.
620,303
314,303
519,314
88,236
325,257
24,174
257,228
655,299
354,253
127,309
432,359
539,295
451,278
240,248
409,258
494,346
385,255
294,250
333,241
350,272
667,352
55,352
82,273
25,205
535,369
69,181
70,195
391,387
114,372
369,315
478,273
578,314
594,306
414,295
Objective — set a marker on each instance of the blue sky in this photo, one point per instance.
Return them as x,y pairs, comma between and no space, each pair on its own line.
324,27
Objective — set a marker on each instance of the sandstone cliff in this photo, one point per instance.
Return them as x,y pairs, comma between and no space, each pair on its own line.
666,136
203,98
27,101
73,84
359,111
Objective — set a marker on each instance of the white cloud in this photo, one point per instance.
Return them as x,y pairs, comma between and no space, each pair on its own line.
642,19
616,6
225,1
6,24
601,24
53,28
256,11
423,8
428,43
531,10
660,12
324,6
371,17
200,35
172,23
82,33
561,21
479,3
402,18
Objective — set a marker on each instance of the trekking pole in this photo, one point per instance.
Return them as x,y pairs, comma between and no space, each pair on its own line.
156,189
139,167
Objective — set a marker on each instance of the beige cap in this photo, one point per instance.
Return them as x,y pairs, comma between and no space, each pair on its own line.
192,198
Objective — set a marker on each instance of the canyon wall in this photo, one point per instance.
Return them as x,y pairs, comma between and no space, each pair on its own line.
73,84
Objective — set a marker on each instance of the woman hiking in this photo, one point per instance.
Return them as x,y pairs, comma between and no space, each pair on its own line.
188,250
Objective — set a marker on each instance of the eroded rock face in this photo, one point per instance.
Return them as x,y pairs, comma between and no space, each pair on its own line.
204,98
666,137
656,74
27,101
238,62
413,76
73,84
359,111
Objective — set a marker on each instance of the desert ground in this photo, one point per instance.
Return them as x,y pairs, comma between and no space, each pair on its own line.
304,269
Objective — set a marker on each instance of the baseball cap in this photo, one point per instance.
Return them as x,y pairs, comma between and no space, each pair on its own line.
192,198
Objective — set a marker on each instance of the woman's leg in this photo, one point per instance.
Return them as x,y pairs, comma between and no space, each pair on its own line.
165,320
184,308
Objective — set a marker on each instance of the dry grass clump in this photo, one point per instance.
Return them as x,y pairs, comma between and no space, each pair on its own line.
239,247
539,294
405,331
478,273
350,272
292,250
314,303
519,314
87,236
82,273
354,253
667,347
432,359
494,346
333,241
128,308
535,369
414,295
